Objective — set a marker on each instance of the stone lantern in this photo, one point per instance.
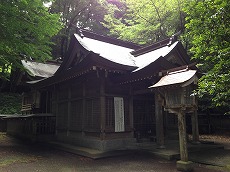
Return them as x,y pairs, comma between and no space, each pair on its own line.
177,89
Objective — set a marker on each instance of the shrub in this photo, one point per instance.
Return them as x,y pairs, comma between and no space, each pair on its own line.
10,103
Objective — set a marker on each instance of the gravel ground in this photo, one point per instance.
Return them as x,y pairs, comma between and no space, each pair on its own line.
222,138
16,156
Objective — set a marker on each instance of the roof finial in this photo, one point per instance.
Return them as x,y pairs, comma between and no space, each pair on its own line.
78,30
174,38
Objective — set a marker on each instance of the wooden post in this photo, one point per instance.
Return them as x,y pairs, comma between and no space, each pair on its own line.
56,108
47,95
83,108
159,121
68,111
183,164
182,136
195,129
131,107
102,104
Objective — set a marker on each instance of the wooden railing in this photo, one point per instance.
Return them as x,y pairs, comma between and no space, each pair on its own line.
46,125
27,108
40,125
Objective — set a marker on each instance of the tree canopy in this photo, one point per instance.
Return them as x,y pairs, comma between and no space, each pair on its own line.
145,21
77,14
208,29
26,28
205,30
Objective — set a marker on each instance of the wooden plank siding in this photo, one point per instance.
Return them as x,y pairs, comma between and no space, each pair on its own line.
76,117
144,115
62,120
110,115
92,115
88,105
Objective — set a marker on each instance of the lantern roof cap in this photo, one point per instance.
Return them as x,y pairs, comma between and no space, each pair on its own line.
175,77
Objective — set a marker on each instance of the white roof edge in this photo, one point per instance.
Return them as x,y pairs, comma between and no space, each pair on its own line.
112,52
175,78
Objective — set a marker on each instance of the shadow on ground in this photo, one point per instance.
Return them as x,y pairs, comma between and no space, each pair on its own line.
18,156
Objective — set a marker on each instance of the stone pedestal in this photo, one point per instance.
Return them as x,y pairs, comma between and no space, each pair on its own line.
184,166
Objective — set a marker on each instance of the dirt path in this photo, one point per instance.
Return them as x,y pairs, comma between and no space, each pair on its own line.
16,156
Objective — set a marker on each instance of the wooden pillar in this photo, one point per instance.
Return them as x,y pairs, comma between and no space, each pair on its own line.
195,128
83,108
56,108
159,121
47,96
182,136
131,107
69,110
102,105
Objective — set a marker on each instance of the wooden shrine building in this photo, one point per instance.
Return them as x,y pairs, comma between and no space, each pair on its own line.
100,93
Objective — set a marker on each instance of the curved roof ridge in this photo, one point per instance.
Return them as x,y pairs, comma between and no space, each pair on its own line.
109,51
115,41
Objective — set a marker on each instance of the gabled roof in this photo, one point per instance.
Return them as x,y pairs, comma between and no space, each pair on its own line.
115,53
152,47
88,51
145,59
43,70
112,50
88,34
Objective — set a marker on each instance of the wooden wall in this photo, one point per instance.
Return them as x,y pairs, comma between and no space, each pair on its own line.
87,105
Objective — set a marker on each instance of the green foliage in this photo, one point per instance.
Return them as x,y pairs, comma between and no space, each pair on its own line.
10,103
76,14
208,28
207,35
145,21
26,27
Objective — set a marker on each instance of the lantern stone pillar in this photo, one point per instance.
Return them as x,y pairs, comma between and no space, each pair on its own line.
159,121
182,136
195,129
183,164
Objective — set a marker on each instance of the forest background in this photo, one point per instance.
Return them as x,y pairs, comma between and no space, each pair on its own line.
41,30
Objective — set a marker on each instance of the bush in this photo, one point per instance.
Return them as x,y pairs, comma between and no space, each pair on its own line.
10,103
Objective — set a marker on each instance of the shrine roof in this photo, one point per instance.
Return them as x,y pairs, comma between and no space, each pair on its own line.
176,77
110,54
145,59
123,52
115,41
115,53
43,70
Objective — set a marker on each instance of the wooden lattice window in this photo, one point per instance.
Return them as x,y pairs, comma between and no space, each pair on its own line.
110,118
76,114
93,117
180,97
62,115
63,92
76,91
143,113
